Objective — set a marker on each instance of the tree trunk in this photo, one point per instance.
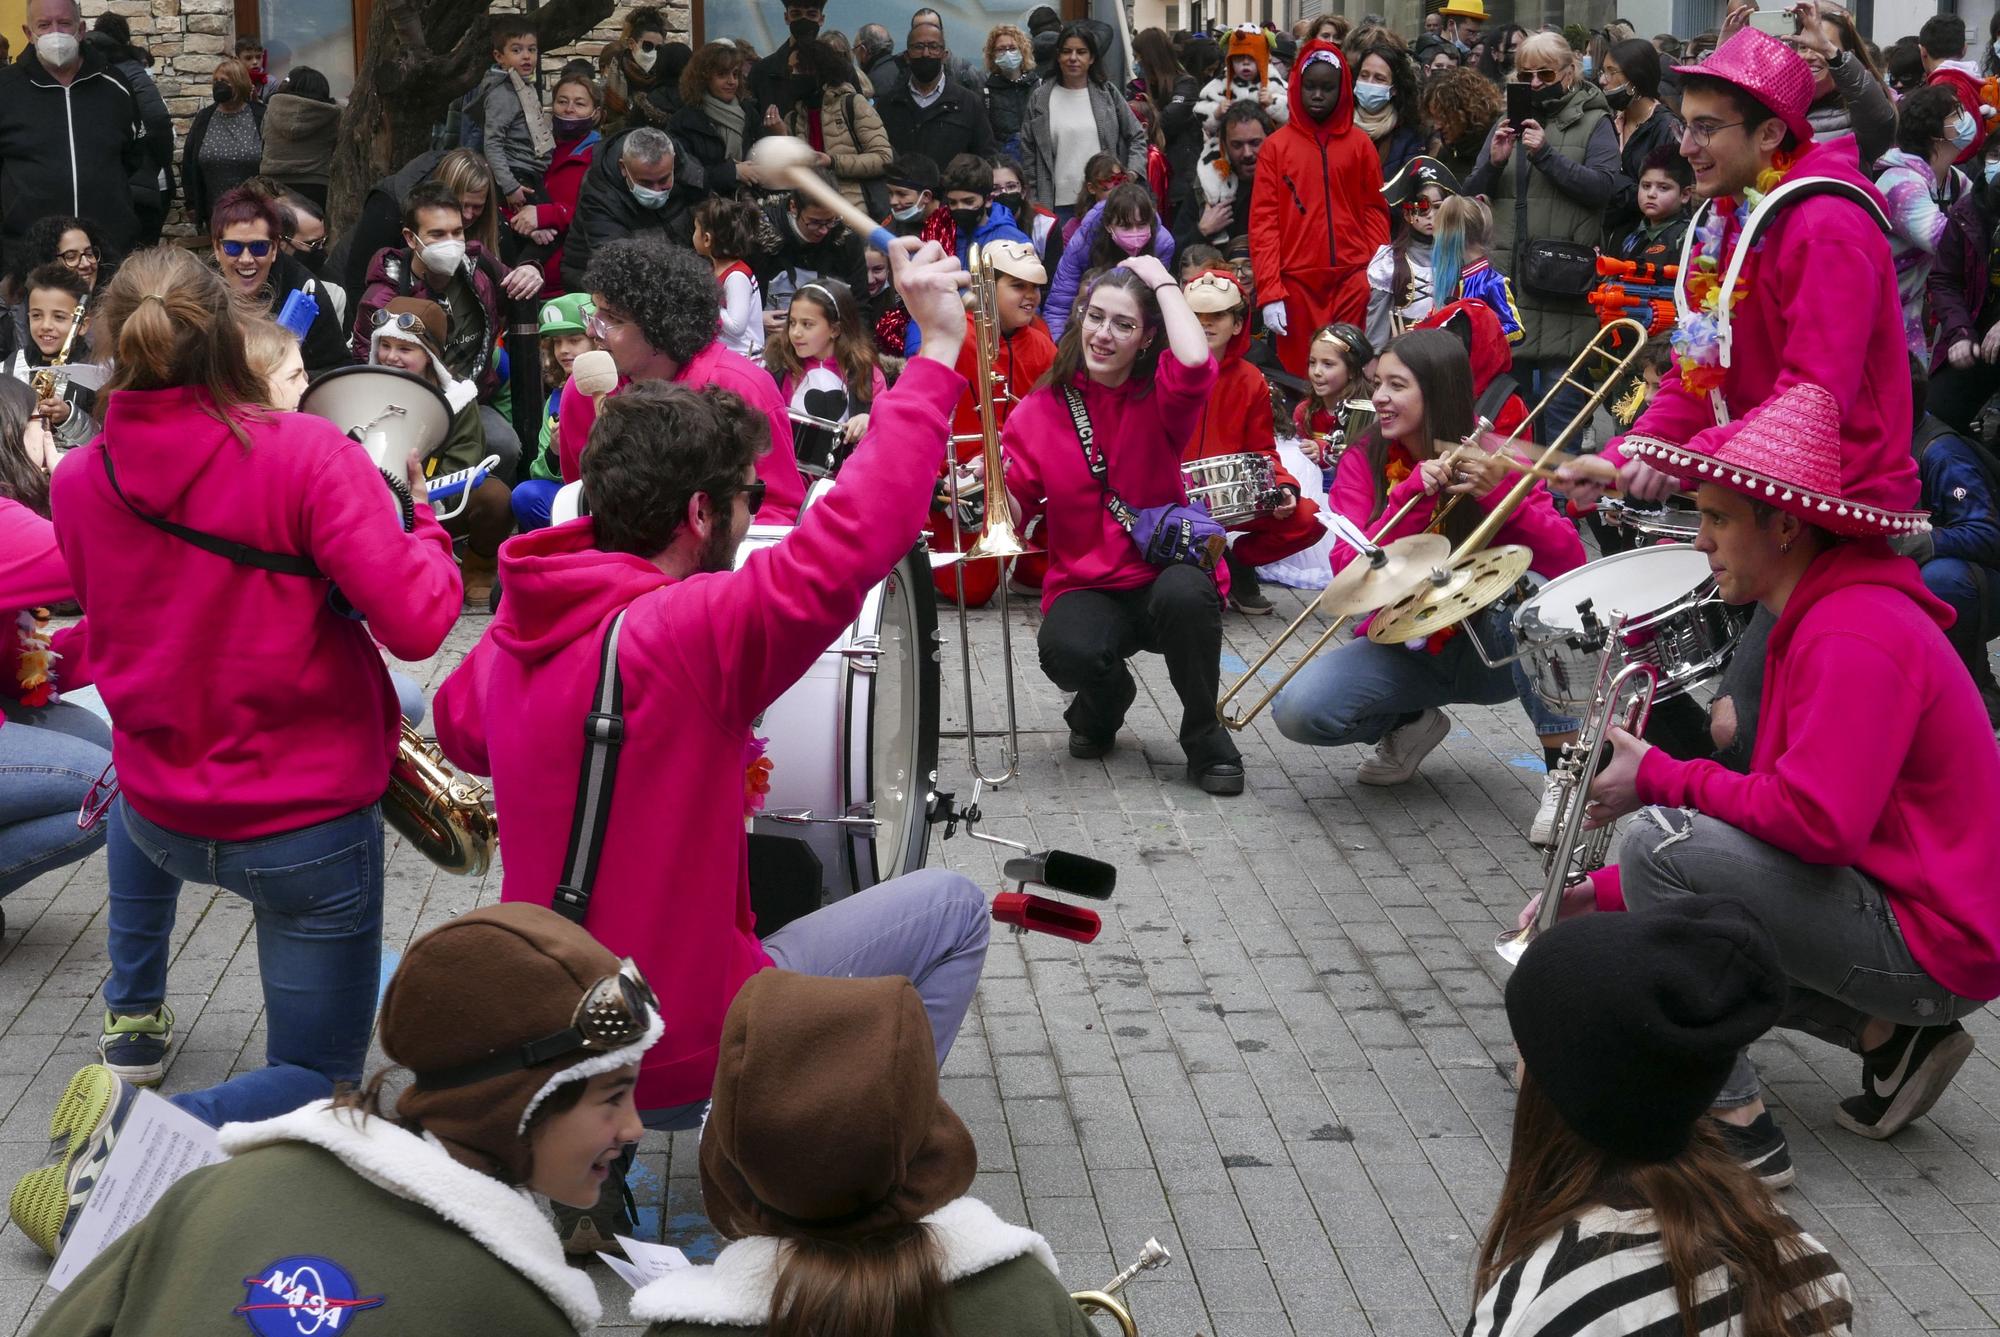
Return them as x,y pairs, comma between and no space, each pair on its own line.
407,82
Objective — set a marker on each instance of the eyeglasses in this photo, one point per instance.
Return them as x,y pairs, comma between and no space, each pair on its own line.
75,258
313,247
1699,133
614,1012
258,249
1536,78
926,49
1124,327
819,227
599,326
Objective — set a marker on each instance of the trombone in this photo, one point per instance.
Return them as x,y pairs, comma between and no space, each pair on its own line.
1600,345
998,540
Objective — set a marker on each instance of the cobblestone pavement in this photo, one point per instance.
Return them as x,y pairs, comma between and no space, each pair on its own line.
1286,1056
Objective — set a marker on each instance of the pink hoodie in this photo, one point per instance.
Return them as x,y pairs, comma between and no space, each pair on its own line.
785,489
700,659
242,704
32,574
1873,751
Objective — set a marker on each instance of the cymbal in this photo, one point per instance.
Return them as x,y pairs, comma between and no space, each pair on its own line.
1475,580
1362,587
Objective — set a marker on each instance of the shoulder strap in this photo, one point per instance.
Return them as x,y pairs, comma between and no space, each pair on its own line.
1789,192
283,563
1079,417
603,735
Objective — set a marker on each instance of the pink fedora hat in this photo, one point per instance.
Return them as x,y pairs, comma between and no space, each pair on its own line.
1767,70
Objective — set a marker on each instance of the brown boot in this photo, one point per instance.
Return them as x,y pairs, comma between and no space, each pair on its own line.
479,574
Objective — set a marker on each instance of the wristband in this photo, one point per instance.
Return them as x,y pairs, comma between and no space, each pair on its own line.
1168,284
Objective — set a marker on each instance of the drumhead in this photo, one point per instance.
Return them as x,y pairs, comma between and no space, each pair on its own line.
899,726
1634,583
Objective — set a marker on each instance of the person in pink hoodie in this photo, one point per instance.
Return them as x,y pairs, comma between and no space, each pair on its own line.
1393,695
656,315
702,650
254,720
1849,836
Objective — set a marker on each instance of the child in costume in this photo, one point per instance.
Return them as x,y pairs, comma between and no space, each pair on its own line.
1399,276
1247,72
1463,270
564,340
826,368
1636,273
1336,364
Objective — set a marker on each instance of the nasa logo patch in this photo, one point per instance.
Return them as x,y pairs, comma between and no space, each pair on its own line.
302,1296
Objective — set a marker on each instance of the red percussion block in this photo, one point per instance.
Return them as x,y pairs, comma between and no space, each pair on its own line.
1039,914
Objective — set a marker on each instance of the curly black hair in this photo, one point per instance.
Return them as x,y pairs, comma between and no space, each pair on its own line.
653,447
45,234
668,290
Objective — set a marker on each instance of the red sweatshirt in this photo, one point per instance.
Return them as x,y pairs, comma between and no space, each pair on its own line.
242,704
1872,751
1139,428
1236,416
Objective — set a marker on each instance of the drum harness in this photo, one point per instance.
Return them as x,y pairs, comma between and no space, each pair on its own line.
596,780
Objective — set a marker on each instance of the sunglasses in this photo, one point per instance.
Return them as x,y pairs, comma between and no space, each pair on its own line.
1422,206
649,46
613,1013
258,249
1537,78
753,496
313,247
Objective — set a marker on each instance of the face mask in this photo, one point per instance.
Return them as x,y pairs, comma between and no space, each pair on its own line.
806,90
221,91
1010,61
1373,97
1588,66
57,50
1963,131
926,69
1996,49
908,214
443,257
1132,240
1620,97
1548,97
649,198
644,59
968,220
314,261
1992,169
802,31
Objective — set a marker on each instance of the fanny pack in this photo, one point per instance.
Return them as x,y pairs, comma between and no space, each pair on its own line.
1545,267
1176,534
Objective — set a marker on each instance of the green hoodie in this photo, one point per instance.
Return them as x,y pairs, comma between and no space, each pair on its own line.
322,1223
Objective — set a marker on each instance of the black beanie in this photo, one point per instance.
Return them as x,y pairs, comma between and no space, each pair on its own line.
1630,1022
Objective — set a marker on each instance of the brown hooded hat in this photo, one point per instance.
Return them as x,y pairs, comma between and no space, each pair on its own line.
826,1119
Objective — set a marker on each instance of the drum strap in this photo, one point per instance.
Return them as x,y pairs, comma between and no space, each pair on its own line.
1080,416
603,734
283,563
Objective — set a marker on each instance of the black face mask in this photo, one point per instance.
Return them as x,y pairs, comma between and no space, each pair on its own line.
1620,97
314,261
926,69
1013,201
221,91
968,220
1548,97
803,30
806,90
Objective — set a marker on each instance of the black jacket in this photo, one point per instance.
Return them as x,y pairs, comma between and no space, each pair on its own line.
200,198
795,261
324,346
696,134
75,150
1007,104
956,123
154,118
380,225
770,81
606,211
1183,132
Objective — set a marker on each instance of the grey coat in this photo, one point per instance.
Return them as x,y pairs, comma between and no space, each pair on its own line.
1118,134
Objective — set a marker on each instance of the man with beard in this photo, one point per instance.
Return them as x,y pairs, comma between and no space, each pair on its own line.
1244,128
637,625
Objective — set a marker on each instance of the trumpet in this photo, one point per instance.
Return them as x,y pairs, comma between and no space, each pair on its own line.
48,382
1153,1254
1625,698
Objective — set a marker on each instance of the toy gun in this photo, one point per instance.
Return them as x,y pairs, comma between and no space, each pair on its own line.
1638,290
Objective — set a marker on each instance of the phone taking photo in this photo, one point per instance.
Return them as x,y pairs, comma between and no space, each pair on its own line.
1520,103
1775,22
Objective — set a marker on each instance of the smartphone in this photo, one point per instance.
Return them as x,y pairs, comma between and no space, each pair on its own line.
1776,22
1520,103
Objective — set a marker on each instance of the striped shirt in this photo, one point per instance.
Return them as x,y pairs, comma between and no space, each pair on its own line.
1606,1275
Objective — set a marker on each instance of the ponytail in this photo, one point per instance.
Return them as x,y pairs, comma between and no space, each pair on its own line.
170,321
890,1284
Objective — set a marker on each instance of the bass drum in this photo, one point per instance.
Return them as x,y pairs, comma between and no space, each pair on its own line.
854,743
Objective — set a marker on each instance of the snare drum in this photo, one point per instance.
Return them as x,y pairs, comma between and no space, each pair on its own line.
1678,624
1236,489
1678,526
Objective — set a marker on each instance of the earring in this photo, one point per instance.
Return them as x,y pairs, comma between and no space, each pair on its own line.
1785,547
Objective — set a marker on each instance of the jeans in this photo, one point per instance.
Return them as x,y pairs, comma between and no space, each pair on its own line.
409,697
49,758
1835,929
317,896
1360,691
534,498
1087,635
929,926
1973,591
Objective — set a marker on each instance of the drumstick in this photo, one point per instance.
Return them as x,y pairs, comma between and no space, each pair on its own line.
791,162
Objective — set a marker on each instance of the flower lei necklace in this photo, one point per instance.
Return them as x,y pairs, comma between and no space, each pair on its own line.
1698,339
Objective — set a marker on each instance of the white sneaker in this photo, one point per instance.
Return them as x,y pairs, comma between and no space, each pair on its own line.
1402,750
1543,830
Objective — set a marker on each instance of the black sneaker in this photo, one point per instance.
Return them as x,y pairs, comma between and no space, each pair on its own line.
1248,598
1761,1149
1903,1078
1085,748
1222,778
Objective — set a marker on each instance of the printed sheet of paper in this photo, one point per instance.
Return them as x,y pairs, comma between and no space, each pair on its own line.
157,1146
649,1262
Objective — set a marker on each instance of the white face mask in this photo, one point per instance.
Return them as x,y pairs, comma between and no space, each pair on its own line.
444,257
57,50
644,59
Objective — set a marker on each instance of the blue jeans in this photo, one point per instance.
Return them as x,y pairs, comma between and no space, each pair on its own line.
409,697
317,896
1361,691
1974,594
533,500
49,758
930,926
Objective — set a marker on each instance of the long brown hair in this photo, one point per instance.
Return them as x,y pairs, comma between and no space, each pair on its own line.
1710,1212
853,350
1069,349
465,171
889,1284
21,479
169,321
1442,370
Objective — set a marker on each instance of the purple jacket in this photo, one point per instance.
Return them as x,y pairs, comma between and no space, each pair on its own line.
1957,285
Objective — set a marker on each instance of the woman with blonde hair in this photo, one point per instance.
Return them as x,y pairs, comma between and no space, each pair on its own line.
1010,77
225,142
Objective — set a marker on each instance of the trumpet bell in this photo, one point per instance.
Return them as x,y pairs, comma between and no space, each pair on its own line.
1513,944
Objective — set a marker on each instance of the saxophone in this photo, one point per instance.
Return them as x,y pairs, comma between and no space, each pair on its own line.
49,381
439,811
